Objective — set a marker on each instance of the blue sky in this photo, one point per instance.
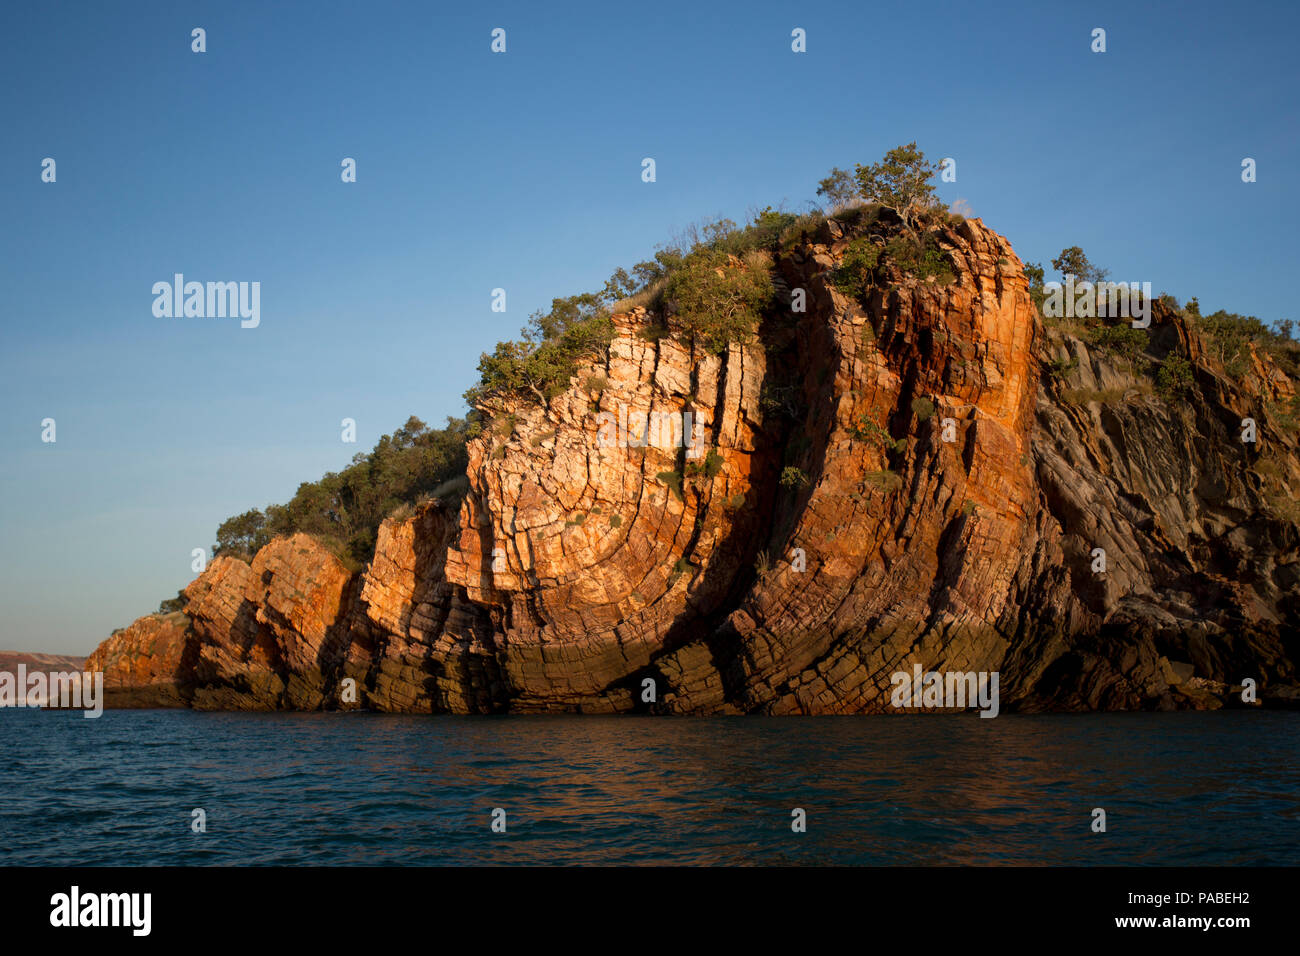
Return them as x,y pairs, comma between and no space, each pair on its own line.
519,171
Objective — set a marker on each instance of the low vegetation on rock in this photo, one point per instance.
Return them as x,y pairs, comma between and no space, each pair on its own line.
344,509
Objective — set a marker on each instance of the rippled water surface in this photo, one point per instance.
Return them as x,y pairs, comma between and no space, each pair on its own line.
1198,788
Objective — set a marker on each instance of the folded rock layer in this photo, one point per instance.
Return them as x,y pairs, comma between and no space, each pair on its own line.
876,483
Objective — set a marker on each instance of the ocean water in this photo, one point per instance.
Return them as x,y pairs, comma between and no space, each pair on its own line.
1184,788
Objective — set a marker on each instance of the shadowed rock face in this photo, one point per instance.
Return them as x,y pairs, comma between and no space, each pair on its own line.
944,513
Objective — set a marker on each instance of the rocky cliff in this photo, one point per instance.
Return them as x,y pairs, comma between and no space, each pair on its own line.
919,475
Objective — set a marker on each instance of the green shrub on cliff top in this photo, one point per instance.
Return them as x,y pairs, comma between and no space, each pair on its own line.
243,535
709,275
347,507
712,275
1228,336
1036,276
541,362
172,605
1072,261
839,188
765,231
901,181
718,298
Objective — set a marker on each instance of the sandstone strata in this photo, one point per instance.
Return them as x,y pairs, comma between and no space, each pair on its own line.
569,573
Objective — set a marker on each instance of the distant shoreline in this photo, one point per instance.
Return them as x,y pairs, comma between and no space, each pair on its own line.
11,659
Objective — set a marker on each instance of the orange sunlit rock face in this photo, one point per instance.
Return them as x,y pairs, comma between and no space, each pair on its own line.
875,483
